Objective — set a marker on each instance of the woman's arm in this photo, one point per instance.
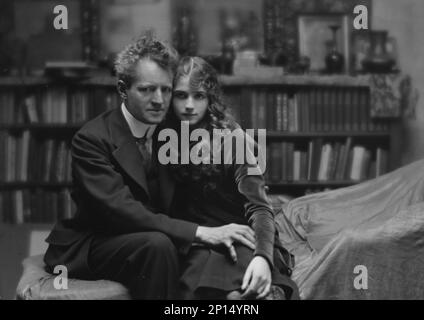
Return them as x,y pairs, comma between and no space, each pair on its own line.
257,208
258,211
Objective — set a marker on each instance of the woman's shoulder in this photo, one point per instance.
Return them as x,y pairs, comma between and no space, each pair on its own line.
233,125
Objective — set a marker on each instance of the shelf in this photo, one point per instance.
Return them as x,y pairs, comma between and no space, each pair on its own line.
103,79
24,81
312,184
298,80
41,126
33,185
277,134
270,134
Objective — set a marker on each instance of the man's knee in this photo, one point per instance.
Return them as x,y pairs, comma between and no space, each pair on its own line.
152,243
160,243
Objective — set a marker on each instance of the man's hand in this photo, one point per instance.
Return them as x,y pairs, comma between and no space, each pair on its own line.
257,279
227,235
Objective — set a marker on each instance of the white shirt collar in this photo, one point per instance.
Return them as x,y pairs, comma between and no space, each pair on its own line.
138,128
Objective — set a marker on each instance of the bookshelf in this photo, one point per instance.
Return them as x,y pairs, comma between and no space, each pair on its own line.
320,132
319,135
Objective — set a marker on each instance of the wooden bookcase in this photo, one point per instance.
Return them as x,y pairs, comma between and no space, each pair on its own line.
309,120
320,133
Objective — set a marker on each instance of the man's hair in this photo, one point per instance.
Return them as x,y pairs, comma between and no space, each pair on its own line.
145,47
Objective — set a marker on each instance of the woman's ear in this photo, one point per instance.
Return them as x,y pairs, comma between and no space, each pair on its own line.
122,90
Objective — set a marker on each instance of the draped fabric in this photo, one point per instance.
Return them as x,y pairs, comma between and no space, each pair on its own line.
378,224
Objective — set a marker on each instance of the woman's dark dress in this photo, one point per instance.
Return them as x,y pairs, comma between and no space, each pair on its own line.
233,197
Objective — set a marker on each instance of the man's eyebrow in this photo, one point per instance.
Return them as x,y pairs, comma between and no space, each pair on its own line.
144,84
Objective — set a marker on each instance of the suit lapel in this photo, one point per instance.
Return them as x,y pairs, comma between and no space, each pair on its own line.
126,152
166,183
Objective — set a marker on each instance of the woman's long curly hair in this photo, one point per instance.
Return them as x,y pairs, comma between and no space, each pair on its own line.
201,75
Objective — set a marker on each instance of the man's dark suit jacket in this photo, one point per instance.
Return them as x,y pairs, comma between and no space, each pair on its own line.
111,194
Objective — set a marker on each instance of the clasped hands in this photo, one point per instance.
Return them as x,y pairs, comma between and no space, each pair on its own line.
257,277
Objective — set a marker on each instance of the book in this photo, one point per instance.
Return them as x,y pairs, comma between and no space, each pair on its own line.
381,161
323,172
279,111
296,165
344,157
30,104
358,154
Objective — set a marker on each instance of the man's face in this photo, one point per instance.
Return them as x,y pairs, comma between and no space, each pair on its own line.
149,96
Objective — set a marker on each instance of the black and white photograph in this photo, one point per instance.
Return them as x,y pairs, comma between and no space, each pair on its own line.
211,150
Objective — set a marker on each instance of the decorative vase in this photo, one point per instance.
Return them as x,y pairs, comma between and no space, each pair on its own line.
229,26
378,60
334,60
227,58
278,57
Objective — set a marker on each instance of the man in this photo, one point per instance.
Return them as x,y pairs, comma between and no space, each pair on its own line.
121,231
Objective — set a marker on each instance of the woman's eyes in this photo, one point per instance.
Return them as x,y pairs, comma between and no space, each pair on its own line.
185,95
180,95
199,96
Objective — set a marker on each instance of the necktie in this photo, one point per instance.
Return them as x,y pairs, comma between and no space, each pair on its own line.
143,145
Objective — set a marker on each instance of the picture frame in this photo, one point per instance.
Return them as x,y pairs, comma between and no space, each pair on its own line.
316,37
281,25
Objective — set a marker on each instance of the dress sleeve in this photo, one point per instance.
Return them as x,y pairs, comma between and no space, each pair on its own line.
258,210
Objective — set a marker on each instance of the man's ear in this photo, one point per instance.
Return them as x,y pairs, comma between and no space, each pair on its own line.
122,89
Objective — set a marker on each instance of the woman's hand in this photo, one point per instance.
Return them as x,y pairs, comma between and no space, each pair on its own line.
227,235
257,279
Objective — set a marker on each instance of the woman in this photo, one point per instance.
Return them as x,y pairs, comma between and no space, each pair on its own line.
220,194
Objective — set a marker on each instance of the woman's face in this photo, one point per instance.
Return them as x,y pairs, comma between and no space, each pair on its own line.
189,104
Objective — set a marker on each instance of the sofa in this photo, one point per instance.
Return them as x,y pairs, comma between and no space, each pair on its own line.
37,284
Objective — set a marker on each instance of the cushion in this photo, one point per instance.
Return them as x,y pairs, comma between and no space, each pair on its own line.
37,284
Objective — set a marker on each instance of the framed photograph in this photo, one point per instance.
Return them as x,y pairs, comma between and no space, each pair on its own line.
281,24
318,34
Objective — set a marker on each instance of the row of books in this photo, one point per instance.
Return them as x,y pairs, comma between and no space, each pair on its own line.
316,109
35,206
56,105
27,157
324,161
